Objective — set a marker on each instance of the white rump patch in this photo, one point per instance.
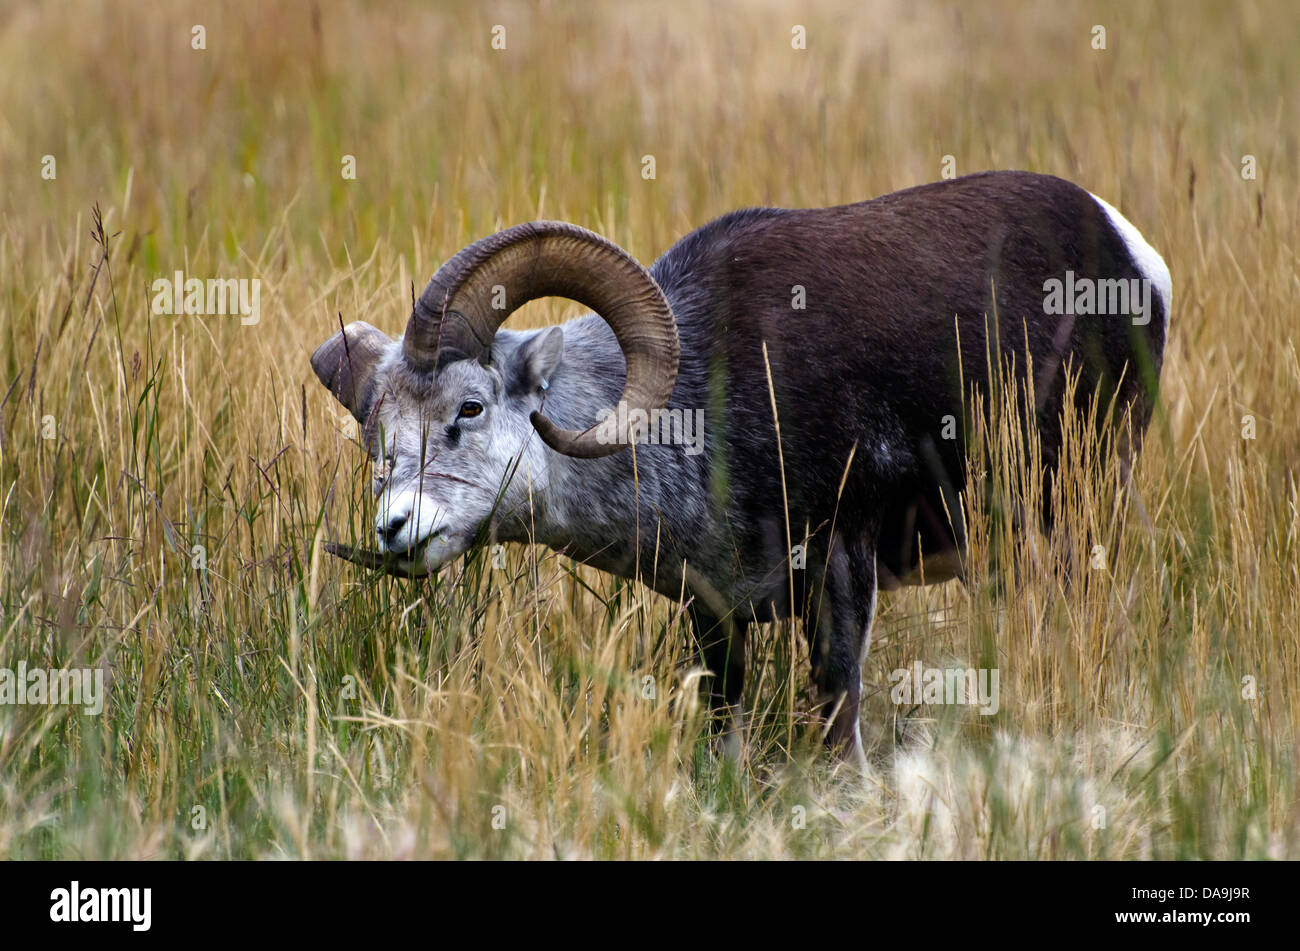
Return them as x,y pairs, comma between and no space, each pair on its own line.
1147,258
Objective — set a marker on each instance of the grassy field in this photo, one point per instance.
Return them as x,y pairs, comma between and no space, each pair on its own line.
166,481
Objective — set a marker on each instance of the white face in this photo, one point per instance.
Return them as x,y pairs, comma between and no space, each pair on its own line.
447,460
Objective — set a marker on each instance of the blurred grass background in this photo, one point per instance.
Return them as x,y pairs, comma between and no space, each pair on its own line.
271,702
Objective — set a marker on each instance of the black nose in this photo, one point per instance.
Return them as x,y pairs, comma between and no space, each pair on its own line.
389,531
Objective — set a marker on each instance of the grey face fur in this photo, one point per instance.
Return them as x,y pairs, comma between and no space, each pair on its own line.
454,453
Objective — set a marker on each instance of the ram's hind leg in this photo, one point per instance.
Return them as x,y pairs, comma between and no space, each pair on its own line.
840,618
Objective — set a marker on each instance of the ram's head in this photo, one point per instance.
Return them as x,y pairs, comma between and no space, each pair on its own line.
449,412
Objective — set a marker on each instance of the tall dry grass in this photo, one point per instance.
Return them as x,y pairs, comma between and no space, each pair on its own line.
276,703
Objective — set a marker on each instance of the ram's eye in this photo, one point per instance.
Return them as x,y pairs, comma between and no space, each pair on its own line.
469,409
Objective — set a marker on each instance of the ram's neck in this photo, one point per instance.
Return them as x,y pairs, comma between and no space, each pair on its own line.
620,512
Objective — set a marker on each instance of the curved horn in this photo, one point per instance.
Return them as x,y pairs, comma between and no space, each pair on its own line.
455,318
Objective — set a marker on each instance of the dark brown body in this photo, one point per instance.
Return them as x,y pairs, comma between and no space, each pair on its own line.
873,362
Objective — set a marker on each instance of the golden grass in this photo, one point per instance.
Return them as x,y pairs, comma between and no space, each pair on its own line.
543,709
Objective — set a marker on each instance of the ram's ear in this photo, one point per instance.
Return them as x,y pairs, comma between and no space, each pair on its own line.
346,364
535,361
